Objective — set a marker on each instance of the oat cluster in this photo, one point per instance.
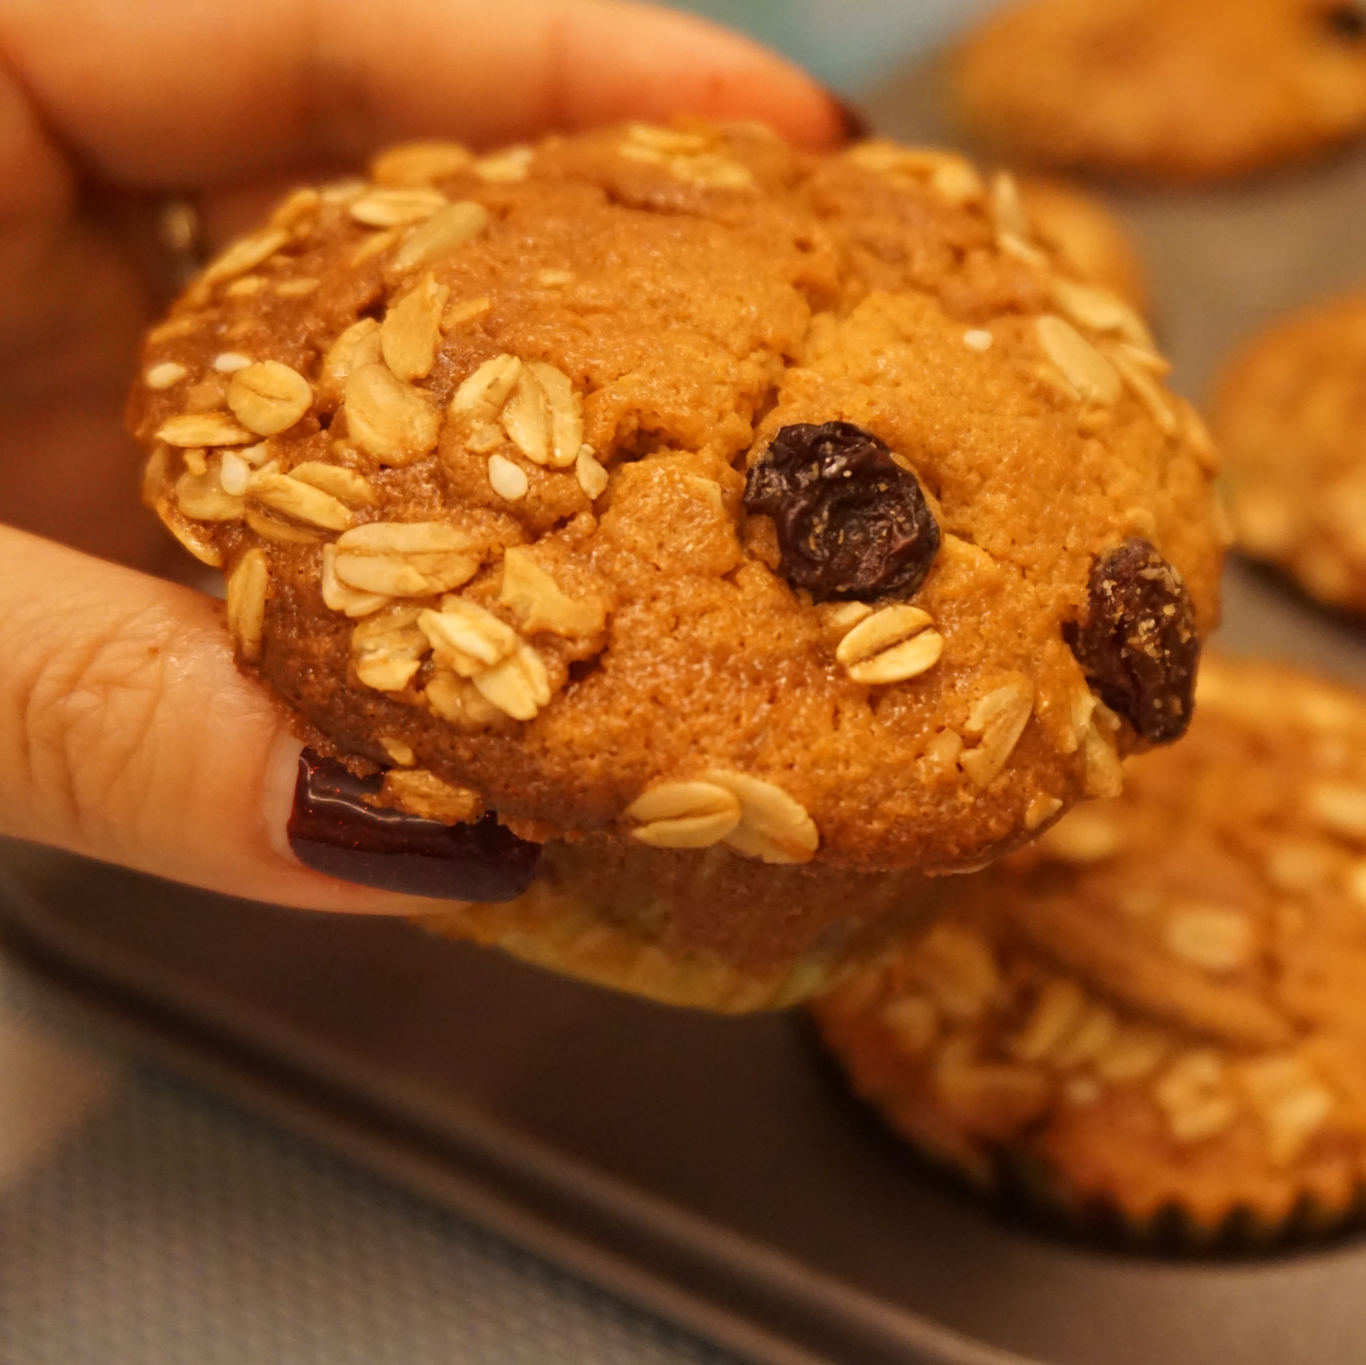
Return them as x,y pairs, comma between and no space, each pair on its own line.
1160,1004
470,439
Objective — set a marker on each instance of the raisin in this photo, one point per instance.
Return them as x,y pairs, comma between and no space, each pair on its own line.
1346,21
851,522
333,829
1137,641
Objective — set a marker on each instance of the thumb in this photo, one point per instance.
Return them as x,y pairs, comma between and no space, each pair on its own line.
127,734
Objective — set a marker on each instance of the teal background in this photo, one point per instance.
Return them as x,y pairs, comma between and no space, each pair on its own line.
849,44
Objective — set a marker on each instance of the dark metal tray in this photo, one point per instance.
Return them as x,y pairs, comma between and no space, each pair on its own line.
710,1168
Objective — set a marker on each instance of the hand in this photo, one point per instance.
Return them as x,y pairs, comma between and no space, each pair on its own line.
126,732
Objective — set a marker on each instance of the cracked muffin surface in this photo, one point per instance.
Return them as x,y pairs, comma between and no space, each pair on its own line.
1155,1012
675,489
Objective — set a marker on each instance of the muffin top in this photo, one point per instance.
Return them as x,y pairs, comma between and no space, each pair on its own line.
1163,1002
673,482
1086,235
1289,411
1177,90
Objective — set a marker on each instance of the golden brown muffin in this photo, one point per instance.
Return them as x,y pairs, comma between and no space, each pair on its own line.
1086,235
711,511
1290,410
1161,1006
1178,90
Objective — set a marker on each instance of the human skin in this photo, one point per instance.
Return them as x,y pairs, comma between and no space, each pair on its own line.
126,732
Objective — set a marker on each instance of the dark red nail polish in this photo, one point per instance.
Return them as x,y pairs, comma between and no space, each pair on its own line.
333,829
853,120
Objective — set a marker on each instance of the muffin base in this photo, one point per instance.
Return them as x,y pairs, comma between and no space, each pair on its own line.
707,930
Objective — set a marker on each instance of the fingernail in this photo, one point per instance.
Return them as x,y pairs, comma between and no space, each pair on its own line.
853,121
333,829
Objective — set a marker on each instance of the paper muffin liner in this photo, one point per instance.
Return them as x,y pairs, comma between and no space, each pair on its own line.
706,929
1038,1191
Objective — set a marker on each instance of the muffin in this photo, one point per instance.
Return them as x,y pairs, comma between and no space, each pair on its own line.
754,533
1288,410
1156,1016
1086,235
1165,90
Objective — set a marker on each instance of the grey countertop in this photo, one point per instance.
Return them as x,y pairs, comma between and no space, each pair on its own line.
144,1222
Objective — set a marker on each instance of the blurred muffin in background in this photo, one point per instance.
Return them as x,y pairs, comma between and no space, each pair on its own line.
1165,90
1155,1016
1290,415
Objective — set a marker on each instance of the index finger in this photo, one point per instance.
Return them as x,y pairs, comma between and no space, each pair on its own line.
203,91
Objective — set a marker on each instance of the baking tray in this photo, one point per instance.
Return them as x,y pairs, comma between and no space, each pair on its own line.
711,1169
